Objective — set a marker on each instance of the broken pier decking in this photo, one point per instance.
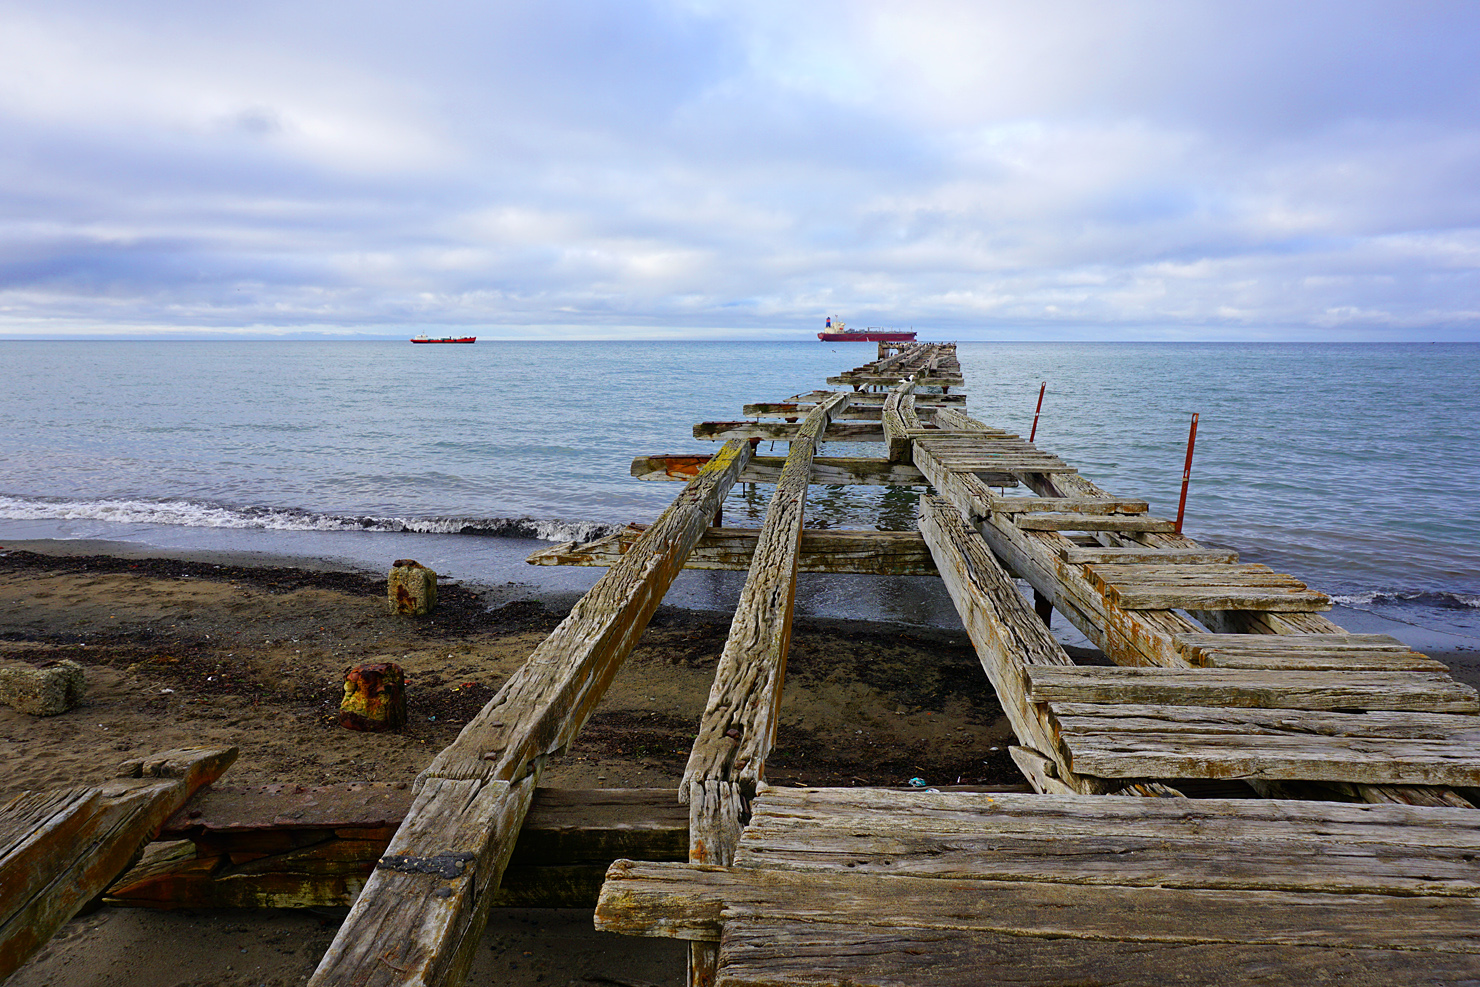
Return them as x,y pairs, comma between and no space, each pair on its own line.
1228,671
1249,682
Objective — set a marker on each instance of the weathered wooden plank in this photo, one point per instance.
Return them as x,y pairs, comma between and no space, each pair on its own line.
689,902
1307,725
1081,556
289,846
891,553
421,914
1264,852
778,812
1042,772
876,399
738,726
890,378
1060,505
1217,598
1246,574
39,834
739,722
1127,636
1181,755
826,470
898,418
782,432
473,797
1427,692
757,951
1091,522
1317,660
794,411
76,858
1191,643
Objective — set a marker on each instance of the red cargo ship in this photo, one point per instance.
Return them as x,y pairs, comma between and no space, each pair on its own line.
836,332
447,339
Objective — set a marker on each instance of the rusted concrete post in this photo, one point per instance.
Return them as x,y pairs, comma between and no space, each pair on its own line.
374,698
42,690
411,588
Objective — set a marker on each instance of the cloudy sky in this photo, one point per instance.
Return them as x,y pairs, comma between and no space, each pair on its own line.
1036,170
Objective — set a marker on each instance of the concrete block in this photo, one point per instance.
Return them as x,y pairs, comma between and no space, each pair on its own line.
42,690
411,588
374,697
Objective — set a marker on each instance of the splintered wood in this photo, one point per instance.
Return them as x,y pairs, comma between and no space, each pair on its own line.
59,850
871,887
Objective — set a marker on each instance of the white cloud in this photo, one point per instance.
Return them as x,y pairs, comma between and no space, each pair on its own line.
1169,166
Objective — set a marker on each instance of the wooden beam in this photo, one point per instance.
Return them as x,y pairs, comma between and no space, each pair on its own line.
899,417
58,851
793,410
738,726
878,553
760,951
739,722
1419,692
1303,846
686,902
294,846
427,903
782,432
876,399
1004,630
826,470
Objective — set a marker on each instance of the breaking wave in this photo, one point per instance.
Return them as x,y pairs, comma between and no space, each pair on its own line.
1436,599
199,515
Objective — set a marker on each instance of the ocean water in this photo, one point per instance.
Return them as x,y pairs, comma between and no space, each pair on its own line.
1352,466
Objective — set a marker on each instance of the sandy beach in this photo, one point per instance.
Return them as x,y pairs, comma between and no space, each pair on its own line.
212,650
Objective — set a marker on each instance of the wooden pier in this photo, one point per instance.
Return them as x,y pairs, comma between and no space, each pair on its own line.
1343,846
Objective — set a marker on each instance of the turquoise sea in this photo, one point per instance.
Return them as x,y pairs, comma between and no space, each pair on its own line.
1354,467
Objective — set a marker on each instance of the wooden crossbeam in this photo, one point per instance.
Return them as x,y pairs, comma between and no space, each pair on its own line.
879,553
782,432
1067,505
1082,556
876,399
59,850
826,470
1429,692
1091,522
1312,652
422,911
295,846
880,887
687,902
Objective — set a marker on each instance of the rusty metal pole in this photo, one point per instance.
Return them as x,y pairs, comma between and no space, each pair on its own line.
1034,433
1186,472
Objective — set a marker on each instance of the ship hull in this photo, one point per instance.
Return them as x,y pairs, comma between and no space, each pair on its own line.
868,336
462,339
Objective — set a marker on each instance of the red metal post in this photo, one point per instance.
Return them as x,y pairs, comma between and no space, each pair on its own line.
1033,434
1186,472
